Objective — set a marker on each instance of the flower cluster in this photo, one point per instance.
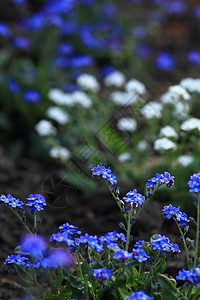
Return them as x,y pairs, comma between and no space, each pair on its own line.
111,239
140,255
102,273
105,173
160,179
162,244
171,211
122,255
134,197
191,276
11,201
139,296
194,183
36,202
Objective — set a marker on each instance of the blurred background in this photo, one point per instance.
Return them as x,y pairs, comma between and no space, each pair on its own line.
88,82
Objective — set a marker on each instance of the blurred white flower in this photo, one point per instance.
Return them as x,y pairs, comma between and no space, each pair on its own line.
178,92
81,98
88,82
127,124
122,98
135,86
190,124
152,110
164,144
57,114
60,152
191,84
59,97
185,160
114,78
124,157
168,131
45,128
181,110
142,146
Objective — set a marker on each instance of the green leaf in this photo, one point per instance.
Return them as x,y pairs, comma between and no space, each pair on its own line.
73,280
168,287
48,296
26,277
123,293
161,266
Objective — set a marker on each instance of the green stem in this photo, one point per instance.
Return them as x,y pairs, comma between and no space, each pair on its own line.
184,242
35,281
82,278
129,226
35,222
18,216
197,234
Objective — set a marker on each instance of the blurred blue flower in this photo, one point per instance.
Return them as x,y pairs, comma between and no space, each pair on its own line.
87,2
108,10
34,23
21,43
107,70
139,295
5,30
81,61
65,49
13,86
143,51
196,11
70,87
194,57
19,2
31,96
165,62
139,32
176,7
58,6
34,245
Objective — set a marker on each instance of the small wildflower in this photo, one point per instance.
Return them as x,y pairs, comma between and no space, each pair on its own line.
139,296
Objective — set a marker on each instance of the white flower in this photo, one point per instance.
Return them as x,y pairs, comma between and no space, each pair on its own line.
88,82
127,124
114,78
81,98
124,157
122,98
174,94
59,97
60,152
178,92
57,114
142,146
152,110
181,110
164,144
190,124
136,86
185,160
44,128
191,84
168,131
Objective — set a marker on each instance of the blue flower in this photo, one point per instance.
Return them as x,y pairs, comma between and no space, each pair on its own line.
13,86
32,96
158,180
105,173
10,200
140,255
185,275
62,237
139,244
196,11
102,273
65,49
134,197
170,211
165,62
33,245
16,259
36,202
69,229
162,244
21,43
139,296
194,183
58,258
5,31
19,2
122,255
